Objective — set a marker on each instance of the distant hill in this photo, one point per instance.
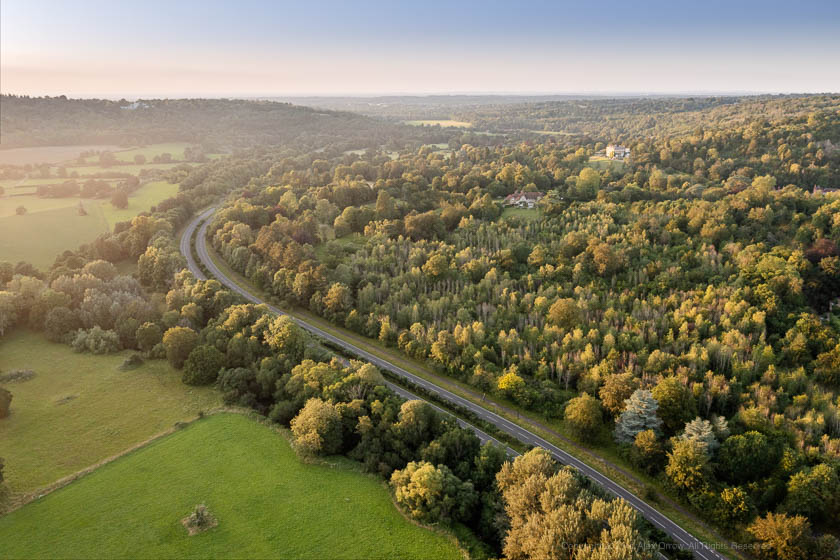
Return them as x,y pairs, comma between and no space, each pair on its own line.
220,123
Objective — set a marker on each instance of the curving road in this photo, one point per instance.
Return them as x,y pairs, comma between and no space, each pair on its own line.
685,539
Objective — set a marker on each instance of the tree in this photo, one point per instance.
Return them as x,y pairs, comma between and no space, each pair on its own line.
814,493
8,311
688,466
436,266
139,159
732,507
148,336
61,322
639,415
5,402
565,313
338,299
317,428
432,493
287,339
552,516
747,457
615,391
179,342
583,414
702,432
203,365
783,537
511,385
647,452
676,403
588,183
119,199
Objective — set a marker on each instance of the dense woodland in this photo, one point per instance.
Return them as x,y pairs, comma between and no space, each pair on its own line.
216,124
677,307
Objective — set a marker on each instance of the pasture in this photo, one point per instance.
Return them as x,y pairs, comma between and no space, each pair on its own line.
443,123
80,409
268,505
140,200
48,154
40,235
53,225
152,150
528,214
600,163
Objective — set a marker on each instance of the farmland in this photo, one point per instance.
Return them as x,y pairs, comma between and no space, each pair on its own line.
39,236
267,502
52,225
140,201
77,398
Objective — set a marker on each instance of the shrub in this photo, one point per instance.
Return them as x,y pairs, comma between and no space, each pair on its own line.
133,361
203,365
5,402
179,343
96,341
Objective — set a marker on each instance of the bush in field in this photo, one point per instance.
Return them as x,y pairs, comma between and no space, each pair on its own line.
203,365
96,341
5,404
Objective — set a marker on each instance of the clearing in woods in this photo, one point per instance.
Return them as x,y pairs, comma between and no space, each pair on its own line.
268,505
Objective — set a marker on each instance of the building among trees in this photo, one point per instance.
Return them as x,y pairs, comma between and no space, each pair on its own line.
523,199
617,151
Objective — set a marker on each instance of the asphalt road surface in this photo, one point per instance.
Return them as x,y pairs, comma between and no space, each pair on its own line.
680,535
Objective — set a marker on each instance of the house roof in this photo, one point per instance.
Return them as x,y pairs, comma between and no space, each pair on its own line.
528,195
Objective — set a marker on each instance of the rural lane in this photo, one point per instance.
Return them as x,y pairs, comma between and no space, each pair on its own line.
685,539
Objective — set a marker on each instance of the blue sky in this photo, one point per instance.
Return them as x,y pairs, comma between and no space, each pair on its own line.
246,47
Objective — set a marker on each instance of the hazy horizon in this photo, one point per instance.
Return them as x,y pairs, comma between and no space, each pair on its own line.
94,48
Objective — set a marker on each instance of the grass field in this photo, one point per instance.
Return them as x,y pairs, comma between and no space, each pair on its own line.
53,225
80,409
39,236
268,505
132,169
152,150
140,201
601,163
442,123
47,154
523,213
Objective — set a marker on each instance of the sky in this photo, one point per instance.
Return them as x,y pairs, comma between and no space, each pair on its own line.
211,48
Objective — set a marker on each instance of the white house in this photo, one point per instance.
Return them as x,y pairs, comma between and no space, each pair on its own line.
616,151
523,199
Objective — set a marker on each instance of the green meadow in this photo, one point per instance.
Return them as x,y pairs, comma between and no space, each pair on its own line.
53,225
81,408
39,236
268,505
140,200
